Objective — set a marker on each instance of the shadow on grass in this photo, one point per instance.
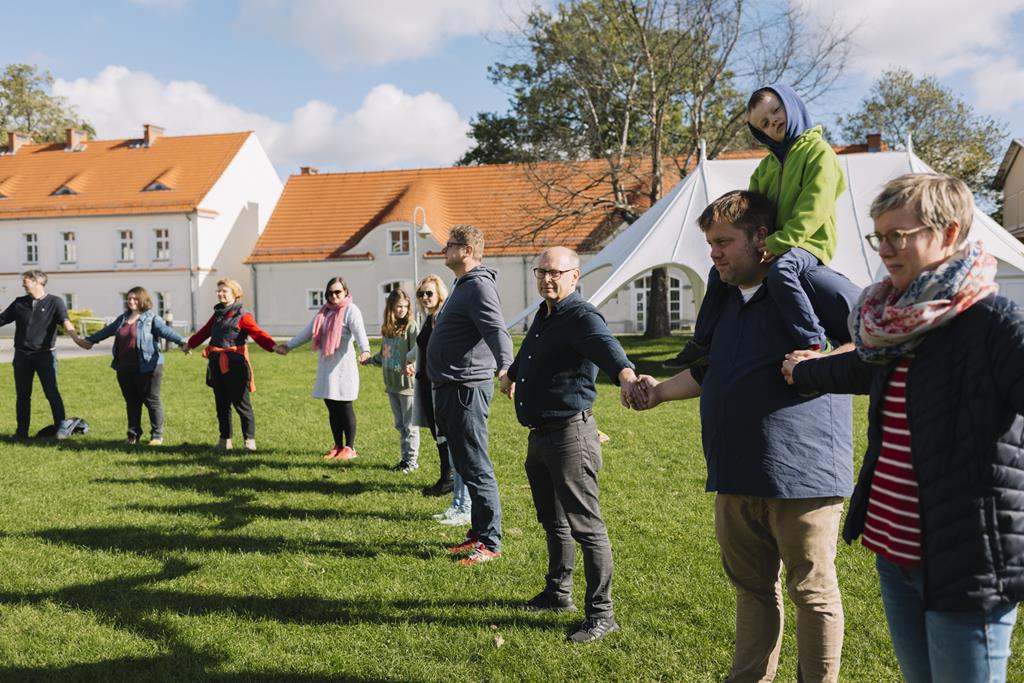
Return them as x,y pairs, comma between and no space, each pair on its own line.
238,511
150,541
138,604
215,483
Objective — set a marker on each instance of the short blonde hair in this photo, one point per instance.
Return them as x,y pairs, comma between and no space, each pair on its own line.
938,200
465,233
233,285
442,289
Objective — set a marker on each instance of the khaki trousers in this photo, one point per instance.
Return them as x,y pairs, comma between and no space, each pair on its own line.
758,534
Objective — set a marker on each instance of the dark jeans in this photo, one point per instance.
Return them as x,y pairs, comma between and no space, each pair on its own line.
140,389
786,278
562,461
232,389
26,366
461,412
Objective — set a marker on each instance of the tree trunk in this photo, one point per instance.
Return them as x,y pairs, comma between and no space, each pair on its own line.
657,305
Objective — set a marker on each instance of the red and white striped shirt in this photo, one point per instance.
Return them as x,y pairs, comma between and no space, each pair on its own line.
893,528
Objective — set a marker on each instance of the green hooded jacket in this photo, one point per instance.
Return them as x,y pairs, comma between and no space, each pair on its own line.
804,197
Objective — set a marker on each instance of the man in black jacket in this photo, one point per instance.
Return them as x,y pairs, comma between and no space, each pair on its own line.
552,384
36,317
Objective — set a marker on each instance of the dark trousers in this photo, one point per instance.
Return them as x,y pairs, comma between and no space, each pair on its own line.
140,389
26,366
232,389
461,412
562,461
343,422
425,401
785,281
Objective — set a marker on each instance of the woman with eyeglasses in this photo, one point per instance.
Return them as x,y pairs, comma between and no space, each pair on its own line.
940,496
332,331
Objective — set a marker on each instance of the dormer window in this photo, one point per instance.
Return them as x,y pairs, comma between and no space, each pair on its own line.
157,186
63,190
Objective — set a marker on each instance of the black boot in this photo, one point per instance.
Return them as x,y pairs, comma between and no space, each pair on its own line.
443,485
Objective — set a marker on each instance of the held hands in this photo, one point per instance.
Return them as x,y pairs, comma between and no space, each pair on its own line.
185,349
793,359
364,358
640,394
82,342
281,349
410,370
507,386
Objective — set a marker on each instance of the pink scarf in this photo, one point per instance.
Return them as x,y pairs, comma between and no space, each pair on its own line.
887,323
327,326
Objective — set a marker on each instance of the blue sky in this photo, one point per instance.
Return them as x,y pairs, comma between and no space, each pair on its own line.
358,86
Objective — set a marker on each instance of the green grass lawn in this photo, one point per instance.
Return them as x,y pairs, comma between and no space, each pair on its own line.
179,563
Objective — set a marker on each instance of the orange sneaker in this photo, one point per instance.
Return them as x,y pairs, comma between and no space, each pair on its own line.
346,453
480,554
464,546
332,454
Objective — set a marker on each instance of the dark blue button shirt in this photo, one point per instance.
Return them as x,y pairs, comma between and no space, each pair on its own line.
557,363
760,437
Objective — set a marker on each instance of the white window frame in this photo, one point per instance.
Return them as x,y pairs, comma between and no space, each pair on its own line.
163,304
126,246
161,236
30,240
69,247
314,299
399,241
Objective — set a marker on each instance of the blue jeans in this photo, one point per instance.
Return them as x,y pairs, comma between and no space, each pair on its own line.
460,493
787,278
932,646
461,412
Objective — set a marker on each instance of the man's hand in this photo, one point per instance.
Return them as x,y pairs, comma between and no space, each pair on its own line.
506,385
281,349
645,394
793,359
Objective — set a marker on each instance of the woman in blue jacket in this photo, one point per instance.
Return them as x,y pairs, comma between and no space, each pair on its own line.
138,362
940,497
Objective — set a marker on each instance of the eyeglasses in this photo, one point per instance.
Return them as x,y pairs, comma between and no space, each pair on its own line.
335,292
540,273
449,245
897,239
424,295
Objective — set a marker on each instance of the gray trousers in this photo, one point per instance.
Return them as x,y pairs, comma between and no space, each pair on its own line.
562,461
409,434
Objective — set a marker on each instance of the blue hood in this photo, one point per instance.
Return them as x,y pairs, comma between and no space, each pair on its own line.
798,120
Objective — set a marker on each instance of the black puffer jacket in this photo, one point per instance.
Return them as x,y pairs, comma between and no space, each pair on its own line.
965,396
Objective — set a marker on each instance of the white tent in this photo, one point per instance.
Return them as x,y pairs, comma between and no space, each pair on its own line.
667,233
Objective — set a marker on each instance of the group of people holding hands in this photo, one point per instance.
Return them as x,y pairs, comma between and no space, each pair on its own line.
781,343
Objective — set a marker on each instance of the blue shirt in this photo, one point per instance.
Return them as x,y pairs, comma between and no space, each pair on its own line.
557,363
760,437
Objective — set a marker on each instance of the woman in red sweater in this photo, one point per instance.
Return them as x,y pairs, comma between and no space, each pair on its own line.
229,372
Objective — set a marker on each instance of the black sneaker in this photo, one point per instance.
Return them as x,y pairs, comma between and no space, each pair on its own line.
593,628
692,355
544,602
442,487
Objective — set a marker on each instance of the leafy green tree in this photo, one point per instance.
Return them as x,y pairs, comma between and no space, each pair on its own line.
26,105
638,83
497,141
946,132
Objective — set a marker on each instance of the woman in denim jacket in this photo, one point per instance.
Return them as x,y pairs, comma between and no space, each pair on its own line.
138,362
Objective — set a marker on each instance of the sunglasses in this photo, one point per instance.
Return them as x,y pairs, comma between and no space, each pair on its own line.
424,295
335,292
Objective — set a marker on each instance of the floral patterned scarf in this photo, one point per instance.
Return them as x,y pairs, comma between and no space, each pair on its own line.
887,323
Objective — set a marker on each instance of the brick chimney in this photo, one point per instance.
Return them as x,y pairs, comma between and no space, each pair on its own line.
150,133
308,170
76,140
874,142
16,140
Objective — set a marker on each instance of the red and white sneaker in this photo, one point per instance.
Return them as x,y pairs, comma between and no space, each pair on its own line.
480,554
332,454
346,453
466,545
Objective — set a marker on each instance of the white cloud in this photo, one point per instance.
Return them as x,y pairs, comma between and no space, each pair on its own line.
390,128
999,84
343,34
168,5
937,37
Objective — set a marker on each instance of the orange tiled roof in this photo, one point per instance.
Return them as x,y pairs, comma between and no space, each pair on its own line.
323,216
110,176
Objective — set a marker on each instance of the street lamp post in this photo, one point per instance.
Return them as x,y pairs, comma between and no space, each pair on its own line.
421,231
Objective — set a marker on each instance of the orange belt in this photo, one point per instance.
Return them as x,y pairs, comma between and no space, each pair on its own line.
223,363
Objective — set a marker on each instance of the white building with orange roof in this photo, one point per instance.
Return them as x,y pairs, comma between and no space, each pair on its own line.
362,226
173,214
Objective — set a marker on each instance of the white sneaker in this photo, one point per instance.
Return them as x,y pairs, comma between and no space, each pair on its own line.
65,429
250,444
458,519
446,514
